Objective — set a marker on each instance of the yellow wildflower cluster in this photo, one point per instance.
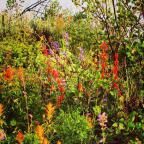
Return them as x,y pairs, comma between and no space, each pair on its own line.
40,133
50,109
1,109
90,121
60,22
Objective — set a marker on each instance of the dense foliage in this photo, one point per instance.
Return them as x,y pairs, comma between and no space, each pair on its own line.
73,79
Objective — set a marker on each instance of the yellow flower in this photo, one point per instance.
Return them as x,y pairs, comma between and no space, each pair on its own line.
50,110
40,133
90,122
1,109
45,141
1,122
58,142
60,22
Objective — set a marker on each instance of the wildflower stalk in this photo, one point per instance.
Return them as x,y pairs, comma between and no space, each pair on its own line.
102,119
21,78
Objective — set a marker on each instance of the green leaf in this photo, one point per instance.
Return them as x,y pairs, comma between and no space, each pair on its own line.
115,125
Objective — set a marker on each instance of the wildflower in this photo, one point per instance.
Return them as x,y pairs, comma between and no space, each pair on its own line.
55,73
9,74
80,87
45,141
52,88
104,58
60,22
58,142
55,45
20,73
61,89
1,109
20,137
66,38
102,119
90,121
104,46
40,133
50,110
60,81
45,52
103,140
81,55
2,135
115,68
1,122
60,100
70,19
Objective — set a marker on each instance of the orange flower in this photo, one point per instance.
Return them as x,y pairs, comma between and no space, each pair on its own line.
1,109
20,73
2,135
90,122
80,87
50,110
52,88
45,141
40,133
20,137
58,142
9,74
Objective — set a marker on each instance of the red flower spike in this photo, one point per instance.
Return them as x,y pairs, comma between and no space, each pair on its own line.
104,46
20,137
61,89
60,100
116,56
55,73
115,85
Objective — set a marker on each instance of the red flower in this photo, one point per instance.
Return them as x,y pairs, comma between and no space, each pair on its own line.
45,52
102,74
104,46
115,68
80,87
52,88
115,85
59,81
116,62
60,100
116,56
55,73
20,137
103,65
61,89
9,74
104,56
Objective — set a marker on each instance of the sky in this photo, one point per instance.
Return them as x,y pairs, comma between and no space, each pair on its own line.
66,4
